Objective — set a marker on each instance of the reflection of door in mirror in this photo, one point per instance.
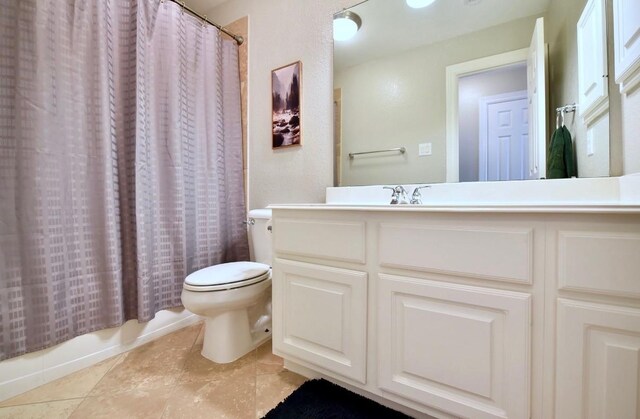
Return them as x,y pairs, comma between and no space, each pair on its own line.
504,140
491,124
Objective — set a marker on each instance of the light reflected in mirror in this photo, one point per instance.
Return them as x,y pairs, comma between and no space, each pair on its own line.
390,92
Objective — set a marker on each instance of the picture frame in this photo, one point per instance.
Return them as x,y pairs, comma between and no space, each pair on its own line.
286,105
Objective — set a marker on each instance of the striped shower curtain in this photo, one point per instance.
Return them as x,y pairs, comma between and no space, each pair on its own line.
120,163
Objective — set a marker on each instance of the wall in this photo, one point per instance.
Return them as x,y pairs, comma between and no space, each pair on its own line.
471,89
407,105
283,31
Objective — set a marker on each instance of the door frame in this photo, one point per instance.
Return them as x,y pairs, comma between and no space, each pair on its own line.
485,101
453,73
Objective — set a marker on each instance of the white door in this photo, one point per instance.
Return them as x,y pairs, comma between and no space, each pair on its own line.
504,137
537,92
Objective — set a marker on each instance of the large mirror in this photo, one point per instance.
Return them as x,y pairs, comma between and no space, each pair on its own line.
428,95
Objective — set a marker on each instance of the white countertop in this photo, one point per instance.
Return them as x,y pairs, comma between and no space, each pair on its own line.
471,208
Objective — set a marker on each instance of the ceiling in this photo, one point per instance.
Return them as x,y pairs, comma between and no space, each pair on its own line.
390,26
203,6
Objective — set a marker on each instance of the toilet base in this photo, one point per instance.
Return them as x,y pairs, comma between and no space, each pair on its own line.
228,337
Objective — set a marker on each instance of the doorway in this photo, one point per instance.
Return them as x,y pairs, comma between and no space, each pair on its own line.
535,57
493,124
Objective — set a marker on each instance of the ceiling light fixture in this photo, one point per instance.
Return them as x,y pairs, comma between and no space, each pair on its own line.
418,4
345,25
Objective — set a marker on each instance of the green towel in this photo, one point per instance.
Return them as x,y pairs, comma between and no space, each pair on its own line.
560,163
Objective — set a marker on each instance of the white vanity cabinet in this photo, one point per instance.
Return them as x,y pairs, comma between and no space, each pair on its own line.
476,312
320,309
598,318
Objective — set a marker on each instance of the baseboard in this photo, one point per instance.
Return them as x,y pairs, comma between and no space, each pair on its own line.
32,370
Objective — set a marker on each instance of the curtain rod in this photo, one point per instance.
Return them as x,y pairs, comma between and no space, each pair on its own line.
182,4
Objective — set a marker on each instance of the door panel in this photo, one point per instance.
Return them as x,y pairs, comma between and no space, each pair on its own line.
504,137
320,316
537,92
461,349
598,361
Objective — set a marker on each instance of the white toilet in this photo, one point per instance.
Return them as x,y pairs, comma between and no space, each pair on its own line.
235,298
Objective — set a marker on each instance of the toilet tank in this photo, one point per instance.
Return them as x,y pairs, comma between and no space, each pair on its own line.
260,237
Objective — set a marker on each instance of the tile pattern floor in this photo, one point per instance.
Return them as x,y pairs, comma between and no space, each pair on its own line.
166,378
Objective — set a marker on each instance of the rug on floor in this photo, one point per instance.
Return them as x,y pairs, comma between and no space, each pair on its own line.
320,399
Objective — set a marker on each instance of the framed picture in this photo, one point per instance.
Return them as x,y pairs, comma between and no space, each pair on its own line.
286,87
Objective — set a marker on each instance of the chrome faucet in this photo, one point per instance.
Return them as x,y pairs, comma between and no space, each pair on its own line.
416,197
399,195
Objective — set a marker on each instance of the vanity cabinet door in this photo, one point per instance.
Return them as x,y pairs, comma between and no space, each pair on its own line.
626,36
592,61
598,361
464,350
320,317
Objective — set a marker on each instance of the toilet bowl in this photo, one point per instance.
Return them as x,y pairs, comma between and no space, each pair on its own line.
235,298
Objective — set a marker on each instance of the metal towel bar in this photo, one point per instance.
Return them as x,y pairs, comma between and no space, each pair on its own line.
402,150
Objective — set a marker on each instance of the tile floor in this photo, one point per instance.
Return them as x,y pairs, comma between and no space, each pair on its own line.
166,378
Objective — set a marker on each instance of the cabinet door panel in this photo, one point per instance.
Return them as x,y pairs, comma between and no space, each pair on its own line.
461,349
599,262
331,239
598,361
626,22
320,316
592,61
438,249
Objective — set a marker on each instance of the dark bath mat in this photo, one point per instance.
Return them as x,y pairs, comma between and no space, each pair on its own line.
320,399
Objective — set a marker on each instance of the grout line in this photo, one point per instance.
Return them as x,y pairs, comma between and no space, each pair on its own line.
98,382
108,371
182,371
42,402
255,385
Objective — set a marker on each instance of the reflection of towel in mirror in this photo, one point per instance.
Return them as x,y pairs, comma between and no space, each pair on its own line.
560,163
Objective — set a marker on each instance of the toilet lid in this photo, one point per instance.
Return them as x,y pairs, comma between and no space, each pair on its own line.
230,275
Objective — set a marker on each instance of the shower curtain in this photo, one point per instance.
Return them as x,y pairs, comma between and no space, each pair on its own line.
120,163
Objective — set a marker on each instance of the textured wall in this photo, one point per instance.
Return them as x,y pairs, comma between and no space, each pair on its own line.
283,31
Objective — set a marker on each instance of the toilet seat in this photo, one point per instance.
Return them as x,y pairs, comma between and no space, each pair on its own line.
227,276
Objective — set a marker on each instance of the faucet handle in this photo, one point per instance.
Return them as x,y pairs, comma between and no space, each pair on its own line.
399,195
394,195
402,192
416,197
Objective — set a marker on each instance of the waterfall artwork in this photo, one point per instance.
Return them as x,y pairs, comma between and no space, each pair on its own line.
285,105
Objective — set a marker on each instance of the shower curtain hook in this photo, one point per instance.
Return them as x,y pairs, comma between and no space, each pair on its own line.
204,21
183,6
